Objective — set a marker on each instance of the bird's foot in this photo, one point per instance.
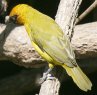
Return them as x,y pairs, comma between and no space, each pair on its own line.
47,76
43,78
50,77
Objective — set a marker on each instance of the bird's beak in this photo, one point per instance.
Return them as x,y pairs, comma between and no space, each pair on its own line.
11,19
7,19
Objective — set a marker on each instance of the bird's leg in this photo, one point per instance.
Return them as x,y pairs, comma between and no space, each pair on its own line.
47,74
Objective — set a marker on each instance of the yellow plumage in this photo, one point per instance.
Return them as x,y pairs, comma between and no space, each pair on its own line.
50,42
79,78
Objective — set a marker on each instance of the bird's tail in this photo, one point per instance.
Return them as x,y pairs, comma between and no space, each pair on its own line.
81,80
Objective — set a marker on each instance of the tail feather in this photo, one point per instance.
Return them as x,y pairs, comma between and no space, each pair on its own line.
79,78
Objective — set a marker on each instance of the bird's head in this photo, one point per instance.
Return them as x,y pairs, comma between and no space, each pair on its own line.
18,14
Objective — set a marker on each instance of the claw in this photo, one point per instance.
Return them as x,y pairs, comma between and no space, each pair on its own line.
46,75
43,78
50,77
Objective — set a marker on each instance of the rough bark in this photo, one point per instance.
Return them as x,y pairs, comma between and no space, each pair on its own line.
17,46
65,17
16,49
85,40
50,87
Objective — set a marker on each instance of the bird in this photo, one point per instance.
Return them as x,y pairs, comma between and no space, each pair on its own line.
50,42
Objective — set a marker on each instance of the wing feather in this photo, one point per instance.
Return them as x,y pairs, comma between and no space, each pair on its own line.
50,38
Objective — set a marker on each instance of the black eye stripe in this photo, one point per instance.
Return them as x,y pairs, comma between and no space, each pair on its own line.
13,18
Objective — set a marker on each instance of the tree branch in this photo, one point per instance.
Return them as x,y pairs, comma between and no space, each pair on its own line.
86,12
16,46
85,40
65,17
16,49
50,87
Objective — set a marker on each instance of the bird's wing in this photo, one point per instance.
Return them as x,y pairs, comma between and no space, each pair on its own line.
50,38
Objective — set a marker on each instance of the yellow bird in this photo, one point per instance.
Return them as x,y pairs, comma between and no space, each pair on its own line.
49,41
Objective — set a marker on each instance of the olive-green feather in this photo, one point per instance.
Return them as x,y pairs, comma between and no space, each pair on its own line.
50,39
50,42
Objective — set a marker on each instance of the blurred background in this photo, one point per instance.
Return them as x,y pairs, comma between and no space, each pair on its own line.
16,80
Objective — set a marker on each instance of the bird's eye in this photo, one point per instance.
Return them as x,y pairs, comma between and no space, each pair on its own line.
13,19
